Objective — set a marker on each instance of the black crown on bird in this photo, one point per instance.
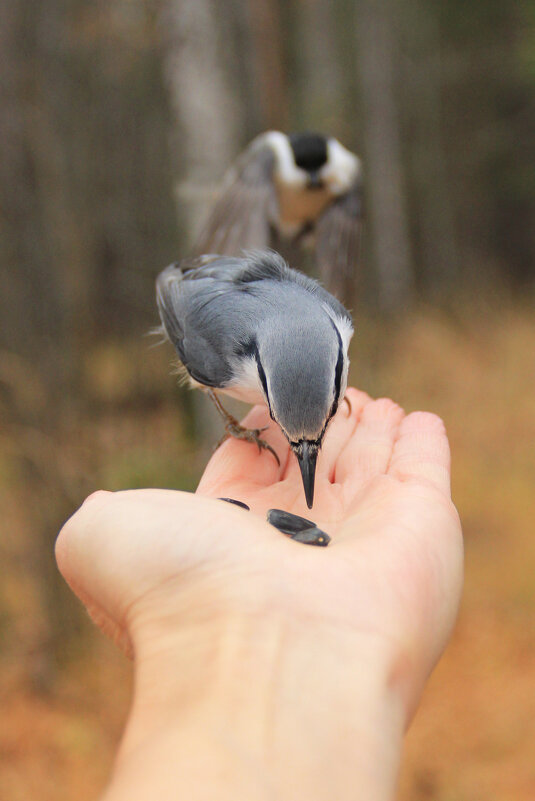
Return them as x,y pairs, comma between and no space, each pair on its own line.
309,149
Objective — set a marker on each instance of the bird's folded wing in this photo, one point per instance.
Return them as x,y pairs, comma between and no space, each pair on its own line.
168,301
193,323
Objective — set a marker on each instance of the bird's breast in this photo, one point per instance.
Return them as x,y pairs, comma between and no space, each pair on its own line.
243,393
245,385
298,205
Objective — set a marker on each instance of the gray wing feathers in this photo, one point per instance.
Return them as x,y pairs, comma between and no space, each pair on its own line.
166,289
210,307
199,342
338,243
240,216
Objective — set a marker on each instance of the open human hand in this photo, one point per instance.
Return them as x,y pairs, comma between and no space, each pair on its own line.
383,495
214,603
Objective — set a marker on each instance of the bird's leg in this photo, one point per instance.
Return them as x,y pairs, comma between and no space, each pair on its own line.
234,429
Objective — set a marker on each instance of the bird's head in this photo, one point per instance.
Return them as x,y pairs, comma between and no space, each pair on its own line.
302,365
310,155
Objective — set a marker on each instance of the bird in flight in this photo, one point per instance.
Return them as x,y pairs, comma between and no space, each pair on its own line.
292,190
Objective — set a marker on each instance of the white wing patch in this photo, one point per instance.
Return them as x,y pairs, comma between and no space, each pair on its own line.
343,324
246,384
286,170
341,169
346,331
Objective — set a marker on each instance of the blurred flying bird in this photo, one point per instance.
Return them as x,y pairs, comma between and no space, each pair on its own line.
263,333
299,189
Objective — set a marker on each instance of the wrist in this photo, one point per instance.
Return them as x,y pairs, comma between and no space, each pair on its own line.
284,708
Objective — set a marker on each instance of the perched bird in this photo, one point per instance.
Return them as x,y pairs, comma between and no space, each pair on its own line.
261,332
282,190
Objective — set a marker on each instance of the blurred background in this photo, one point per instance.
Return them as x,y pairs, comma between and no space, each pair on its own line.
117,119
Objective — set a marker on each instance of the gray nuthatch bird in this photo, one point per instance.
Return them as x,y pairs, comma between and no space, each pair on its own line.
300,188
263,333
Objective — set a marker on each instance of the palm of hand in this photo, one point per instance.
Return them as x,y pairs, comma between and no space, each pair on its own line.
394,566
372,454
392,571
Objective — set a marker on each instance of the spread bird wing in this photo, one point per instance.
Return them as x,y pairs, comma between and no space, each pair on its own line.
240,216
338,243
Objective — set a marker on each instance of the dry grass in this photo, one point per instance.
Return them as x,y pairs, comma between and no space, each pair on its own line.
474,734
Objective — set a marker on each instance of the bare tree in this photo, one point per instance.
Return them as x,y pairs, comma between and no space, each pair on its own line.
321,84
207,124
268,62
430,175
206,114
377,57
36,294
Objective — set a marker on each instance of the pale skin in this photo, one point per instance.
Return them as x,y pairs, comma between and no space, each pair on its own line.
264,668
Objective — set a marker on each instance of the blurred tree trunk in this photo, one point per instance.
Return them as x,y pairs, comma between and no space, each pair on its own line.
431,177
320,87
37,364
378,65
207,125
268,63
207,117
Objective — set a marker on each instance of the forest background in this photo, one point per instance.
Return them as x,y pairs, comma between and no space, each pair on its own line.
117,120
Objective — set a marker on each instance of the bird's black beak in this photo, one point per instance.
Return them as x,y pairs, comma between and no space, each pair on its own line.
307,454
314,180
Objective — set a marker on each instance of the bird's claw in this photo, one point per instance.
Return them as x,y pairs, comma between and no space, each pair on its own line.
234,429
250,435
262,444
254,436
